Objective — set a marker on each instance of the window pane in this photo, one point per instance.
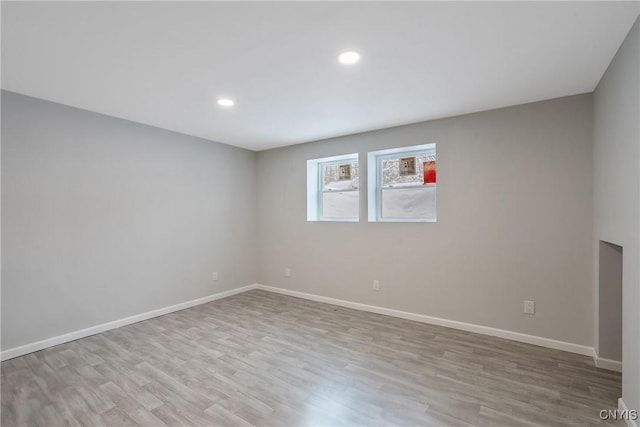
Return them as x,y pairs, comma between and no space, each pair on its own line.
340,204
409,203
393,174
339,177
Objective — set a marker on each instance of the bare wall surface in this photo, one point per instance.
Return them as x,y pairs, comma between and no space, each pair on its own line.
104,218
514,223
610,301
617,192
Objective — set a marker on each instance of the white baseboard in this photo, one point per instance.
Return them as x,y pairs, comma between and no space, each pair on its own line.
612,365
622,407
71,336
469,327
484,330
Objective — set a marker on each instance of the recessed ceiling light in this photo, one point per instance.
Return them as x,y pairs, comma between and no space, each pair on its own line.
349,57
225,102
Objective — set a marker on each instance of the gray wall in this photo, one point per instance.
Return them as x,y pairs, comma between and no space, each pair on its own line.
617,192
104,219
514,223
610,301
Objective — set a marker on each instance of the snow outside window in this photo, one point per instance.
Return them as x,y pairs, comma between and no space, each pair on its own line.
333,188
405,184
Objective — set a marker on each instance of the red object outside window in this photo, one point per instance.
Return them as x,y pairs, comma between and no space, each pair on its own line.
429,172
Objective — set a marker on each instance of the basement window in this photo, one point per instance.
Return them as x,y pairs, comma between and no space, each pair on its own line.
333,188
402,184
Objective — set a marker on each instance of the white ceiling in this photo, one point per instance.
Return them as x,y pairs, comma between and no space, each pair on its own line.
165,63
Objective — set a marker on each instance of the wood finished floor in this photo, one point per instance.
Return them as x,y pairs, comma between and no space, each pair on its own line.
260,358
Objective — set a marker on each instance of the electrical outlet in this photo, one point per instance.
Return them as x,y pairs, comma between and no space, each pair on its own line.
529,307
214,275
376,285
287,272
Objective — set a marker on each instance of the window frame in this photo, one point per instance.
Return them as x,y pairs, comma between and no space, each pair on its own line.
374,176
315,187
322,191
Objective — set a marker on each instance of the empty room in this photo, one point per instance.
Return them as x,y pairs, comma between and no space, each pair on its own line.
320,213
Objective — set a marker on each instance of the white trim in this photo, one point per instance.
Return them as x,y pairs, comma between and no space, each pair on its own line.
314,193
623,407
71,336
469,327
612,365
484,330
390,152
374,180
372,187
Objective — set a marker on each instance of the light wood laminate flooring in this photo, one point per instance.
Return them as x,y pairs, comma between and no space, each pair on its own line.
260,358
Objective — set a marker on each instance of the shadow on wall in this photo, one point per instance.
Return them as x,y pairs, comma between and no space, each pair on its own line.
610,297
